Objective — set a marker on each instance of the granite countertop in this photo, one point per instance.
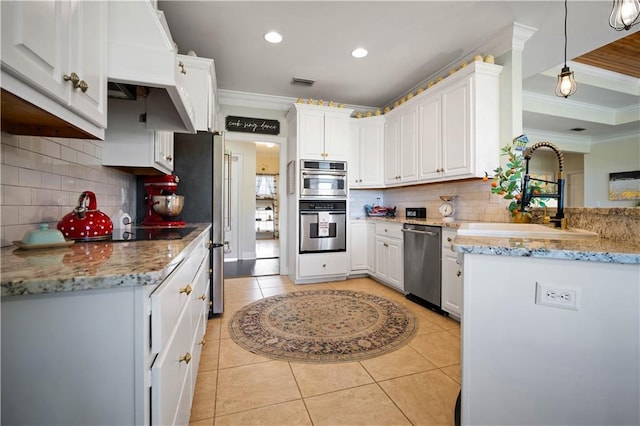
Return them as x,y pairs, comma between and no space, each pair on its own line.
596,250
91,265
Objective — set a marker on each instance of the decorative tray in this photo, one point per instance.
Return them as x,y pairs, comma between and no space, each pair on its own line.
24,246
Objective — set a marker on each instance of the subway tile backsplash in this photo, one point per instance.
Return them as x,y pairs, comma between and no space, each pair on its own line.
473,200
43,177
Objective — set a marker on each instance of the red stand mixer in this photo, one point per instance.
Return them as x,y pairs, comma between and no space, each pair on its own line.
163,206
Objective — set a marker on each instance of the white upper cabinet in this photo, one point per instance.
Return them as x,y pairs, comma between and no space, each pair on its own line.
200,76
323,133
366,163
54,56
458,125
401,147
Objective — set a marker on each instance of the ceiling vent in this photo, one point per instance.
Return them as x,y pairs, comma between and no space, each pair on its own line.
302,81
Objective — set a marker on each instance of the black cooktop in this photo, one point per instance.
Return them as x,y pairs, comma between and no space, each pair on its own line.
150,234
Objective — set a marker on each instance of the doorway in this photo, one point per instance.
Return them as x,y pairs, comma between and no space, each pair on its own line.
257,240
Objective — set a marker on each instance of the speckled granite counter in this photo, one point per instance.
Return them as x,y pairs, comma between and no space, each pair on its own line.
85,266
598,250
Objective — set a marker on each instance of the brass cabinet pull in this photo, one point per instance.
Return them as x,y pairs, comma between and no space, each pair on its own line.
203,297
202,342
182,68
210,271
385,244
459,273
324,265
449,239
169,158
83,86
186,358
73,78
186,289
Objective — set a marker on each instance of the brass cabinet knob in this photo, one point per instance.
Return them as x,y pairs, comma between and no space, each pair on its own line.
209,246
449,239
83,86
169,158
203,297
73,78
385,244
324,265
202,342
210,303
210,270
459,273
186,358
187,289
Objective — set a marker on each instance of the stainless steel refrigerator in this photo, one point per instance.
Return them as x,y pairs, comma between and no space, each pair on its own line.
199,163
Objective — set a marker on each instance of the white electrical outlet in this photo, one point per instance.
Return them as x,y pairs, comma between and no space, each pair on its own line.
557,297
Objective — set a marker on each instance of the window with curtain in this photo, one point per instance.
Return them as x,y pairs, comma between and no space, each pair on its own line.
265,186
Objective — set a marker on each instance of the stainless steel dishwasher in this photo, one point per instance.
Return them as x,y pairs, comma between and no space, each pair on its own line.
423,264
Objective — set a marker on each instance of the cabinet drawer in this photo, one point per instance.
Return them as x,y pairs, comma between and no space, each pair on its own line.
389,229
169,299
170,371
310,265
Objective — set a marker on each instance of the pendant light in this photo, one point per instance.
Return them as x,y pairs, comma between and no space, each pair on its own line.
624,14
566,85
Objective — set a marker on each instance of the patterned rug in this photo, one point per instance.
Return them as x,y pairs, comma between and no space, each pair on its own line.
322,326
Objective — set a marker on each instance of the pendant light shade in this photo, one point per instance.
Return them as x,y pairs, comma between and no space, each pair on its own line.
624,14
566,85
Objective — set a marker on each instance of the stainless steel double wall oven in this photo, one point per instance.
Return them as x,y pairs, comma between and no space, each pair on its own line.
323,206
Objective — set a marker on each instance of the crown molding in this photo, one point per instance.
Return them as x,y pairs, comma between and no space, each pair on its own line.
568,143
257,100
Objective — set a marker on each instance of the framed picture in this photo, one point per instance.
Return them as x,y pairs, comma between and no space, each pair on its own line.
624,185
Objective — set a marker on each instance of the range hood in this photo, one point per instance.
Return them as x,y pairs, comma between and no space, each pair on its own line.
142,53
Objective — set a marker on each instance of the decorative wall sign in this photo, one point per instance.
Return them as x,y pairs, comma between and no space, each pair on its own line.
252,125
624,185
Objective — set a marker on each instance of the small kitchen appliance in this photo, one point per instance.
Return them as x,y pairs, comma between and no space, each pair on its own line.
416,212
323,179
163,206
86,222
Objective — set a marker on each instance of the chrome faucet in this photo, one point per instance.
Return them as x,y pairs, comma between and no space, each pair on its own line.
528,192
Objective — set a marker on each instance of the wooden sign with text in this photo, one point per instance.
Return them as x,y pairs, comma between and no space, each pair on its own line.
252,125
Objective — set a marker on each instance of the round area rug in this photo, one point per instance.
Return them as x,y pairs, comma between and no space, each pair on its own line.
322,326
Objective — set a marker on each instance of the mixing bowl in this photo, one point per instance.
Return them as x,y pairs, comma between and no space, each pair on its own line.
168,205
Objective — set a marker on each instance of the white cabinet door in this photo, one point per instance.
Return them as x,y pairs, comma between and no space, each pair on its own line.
429,138
451,276
163,149
88,58
311,131
395,263
371,152
408,146
59,48
371,247
200,81
456,128
35,38
382,259
336,137
358,245
392,150
353,166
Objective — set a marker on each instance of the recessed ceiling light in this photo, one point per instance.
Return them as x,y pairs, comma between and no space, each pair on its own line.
273,37
359,52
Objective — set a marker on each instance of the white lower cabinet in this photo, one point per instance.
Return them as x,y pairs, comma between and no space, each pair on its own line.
323,264
89,359
389,254
451,276
362,246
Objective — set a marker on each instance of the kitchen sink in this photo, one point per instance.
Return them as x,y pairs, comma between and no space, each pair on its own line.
523,230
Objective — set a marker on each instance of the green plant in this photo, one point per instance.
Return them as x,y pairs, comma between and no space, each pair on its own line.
507,181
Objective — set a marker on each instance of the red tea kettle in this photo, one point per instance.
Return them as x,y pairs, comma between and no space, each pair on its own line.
86,223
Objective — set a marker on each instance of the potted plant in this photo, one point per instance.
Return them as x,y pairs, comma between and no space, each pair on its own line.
507,182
